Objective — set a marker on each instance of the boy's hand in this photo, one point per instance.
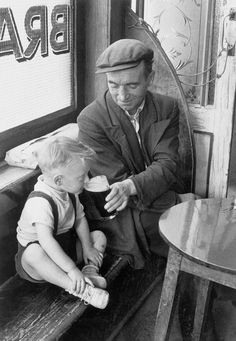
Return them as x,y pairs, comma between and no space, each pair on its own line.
78,281
93,255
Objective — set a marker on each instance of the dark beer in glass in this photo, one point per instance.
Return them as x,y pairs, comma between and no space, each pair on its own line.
98,189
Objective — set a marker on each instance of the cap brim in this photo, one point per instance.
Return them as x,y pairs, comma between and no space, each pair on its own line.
117,67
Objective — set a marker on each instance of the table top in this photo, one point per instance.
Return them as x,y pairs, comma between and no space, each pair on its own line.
203,230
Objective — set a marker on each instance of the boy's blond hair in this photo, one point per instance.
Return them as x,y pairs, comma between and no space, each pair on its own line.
58,152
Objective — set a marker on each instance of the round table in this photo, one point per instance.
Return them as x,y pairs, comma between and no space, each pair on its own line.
201,235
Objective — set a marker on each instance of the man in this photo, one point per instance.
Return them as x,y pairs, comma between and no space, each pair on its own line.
135,135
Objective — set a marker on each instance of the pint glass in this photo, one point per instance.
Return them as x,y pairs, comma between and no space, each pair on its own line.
97,189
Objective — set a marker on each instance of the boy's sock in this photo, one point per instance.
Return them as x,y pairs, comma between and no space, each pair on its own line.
92,272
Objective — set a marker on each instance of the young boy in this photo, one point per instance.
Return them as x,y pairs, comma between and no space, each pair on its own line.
45,254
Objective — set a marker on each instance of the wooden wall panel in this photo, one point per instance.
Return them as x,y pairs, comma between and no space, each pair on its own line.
203,142
104,25
97,32
223,124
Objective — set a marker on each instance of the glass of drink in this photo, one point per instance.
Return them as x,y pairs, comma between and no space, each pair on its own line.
98,188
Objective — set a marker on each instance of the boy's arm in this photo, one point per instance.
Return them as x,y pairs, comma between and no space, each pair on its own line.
89,252
82,230
53,249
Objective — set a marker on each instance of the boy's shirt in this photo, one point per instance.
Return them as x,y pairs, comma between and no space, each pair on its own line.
38,210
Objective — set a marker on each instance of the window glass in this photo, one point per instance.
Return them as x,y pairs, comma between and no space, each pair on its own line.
186,29
36,64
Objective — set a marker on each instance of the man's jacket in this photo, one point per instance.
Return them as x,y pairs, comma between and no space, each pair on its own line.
151,164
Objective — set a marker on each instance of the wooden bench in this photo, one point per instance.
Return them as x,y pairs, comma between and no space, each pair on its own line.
31,311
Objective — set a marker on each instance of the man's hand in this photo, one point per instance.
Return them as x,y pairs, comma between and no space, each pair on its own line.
118,198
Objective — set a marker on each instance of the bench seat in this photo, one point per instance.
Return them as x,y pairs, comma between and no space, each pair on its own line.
43,311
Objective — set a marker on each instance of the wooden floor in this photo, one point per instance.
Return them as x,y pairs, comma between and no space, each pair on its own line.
140,327
118,324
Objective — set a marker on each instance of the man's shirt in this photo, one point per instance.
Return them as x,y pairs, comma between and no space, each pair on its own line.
135,119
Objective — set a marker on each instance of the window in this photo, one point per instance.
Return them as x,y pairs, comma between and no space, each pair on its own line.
188,31
37,55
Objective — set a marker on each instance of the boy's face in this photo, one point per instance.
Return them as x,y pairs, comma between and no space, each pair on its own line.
72,177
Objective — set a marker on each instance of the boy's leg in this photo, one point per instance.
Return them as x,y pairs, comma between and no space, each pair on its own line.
99,241
79,252
91,270
39,266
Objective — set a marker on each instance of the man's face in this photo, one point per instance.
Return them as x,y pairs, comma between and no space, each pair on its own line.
128,87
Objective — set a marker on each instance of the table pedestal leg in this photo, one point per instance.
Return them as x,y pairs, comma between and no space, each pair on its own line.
167,301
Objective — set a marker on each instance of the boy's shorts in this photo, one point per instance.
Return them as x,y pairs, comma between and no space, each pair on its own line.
66,240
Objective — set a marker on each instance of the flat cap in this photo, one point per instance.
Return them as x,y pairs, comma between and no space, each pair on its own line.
123,54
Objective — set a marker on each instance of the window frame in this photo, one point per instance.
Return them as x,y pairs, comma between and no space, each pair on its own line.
20,134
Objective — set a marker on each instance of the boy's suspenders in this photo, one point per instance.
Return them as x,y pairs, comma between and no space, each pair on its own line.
73,200
53,206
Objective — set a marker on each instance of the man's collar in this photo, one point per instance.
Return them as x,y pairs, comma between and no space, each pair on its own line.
138,111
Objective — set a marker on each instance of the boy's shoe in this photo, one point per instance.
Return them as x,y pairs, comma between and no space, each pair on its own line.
92,272
95,296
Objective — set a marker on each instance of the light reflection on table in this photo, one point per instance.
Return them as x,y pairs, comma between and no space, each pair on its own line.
203,230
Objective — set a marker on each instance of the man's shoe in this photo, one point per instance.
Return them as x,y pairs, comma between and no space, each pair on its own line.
95,296
92,272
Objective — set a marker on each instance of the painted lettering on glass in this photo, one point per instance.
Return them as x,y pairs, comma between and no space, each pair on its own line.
36,29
